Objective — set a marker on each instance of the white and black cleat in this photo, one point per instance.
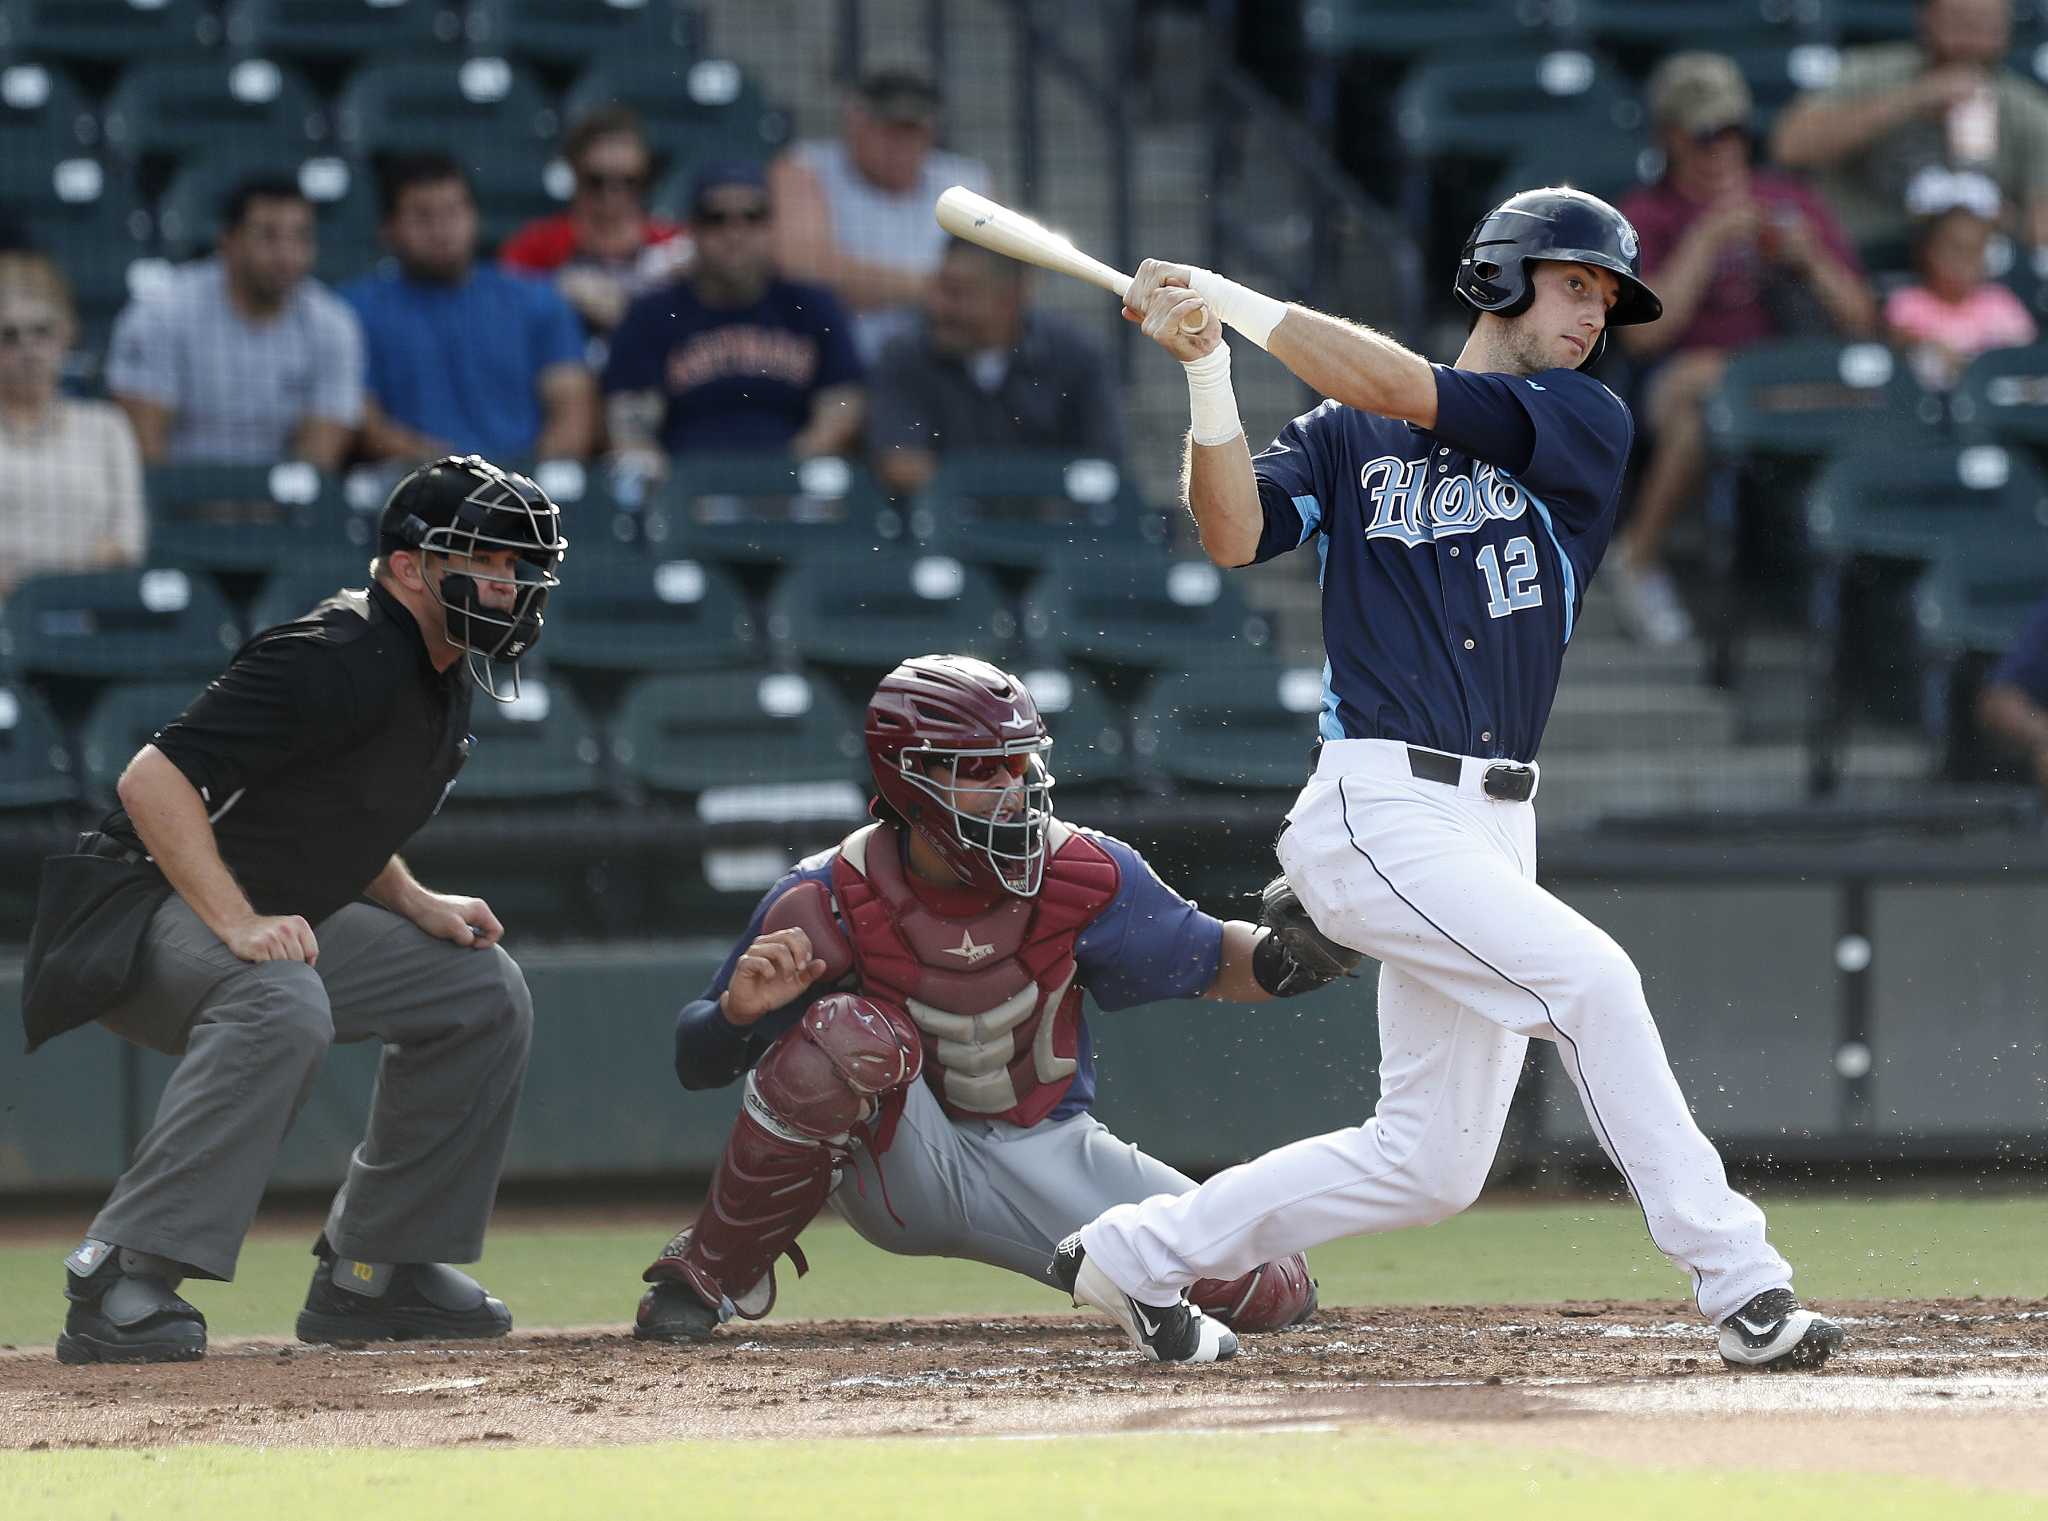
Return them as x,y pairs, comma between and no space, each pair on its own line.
1774,1332
1173,1333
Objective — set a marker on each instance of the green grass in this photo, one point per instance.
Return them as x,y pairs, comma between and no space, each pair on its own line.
1302,1476
1855,1248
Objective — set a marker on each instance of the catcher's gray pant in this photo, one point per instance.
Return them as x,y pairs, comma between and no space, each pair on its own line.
990,1192
251,1035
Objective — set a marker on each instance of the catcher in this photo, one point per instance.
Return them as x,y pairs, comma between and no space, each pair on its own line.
906,1011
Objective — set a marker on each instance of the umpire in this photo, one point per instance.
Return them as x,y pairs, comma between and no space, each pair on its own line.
245,907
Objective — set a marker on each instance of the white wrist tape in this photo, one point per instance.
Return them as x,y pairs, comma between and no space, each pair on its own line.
1212,405
1240,306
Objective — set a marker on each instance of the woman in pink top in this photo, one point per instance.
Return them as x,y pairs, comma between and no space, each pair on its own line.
1955,313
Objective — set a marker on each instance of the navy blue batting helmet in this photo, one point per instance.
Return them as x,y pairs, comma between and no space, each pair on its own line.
1560,224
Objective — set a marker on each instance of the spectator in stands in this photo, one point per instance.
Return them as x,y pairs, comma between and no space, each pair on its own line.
1948,99
464,358
2012,708
605,249
243,358
987,371
856,213
1740,256
731,356
70,475
1956,311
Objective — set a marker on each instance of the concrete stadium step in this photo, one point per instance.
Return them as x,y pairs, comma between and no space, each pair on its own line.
1603,716
1580,789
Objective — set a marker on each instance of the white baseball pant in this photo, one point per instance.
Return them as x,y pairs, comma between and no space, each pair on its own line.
1438,884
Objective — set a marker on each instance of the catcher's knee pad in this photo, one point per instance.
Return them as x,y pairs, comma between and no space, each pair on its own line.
821,1078
1268,1298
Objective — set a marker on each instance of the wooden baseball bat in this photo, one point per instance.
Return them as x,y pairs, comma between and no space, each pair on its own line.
980,220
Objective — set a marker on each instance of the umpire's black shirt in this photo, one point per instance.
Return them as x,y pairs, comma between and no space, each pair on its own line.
320,750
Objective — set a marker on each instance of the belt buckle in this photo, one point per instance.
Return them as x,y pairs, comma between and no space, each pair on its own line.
1508,782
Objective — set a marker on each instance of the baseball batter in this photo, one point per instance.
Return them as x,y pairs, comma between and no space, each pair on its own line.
907,1011
1457,513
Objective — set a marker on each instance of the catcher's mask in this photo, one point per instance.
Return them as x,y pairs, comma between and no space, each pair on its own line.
465,506
958,750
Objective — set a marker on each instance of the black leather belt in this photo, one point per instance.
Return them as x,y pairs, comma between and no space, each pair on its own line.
93,843
1504,781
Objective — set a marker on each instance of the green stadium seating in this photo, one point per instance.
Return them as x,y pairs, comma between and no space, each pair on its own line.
1877,20
1409,28
1140,612
332,30
96,239
1778,74
691,109
1657,27
615,613
765,509
1017,509
1484,108
1600,162
302,586
103,31
746,744
118,624
1976,597
2004,395
1231,727
343,198
249,517
862,614
515,188
541,747
553,32
47,130
123,720
35,766
1091,748
1807,397
477,109
1901,502
169,109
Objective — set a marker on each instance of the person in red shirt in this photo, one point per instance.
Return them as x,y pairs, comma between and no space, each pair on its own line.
1741,256
605,249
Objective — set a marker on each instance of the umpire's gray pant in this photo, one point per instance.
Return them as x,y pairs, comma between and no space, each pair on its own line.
455,1023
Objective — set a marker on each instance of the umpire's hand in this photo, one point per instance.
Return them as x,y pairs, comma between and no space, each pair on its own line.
771,972
272,937
465,921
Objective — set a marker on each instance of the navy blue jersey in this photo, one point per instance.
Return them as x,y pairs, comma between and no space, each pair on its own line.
2025,665
1148,943
1453,562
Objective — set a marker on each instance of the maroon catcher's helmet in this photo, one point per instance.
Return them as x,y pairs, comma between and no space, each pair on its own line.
982,724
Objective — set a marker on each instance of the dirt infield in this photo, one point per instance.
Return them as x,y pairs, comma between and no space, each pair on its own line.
1631,1381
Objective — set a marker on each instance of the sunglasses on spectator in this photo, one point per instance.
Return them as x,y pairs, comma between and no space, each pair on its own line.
1733,132
753,216
611,181
14,334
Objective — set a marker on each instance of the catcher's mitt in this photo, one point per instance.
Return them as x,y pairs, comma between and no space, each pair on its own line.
1296,957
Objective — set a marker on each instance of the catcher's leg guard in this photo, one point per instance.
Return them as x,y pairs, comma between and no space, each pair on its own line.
1268,1298
814,1085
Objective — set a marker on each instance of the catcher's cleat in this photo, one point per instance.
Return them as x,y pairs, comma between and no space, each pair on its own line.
673,1312
1774,1332
1172,1333
125,1308
396,1301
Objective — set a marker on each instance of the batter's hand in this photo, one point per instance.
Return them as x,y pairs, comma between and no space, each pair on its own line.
273,937
464,921
771,972
1162,303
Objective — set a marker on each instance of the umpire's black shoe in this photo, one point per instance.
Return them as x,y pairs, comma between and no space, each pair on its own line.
1170,1333
673,1312
396,1301
1773,1331
125,1309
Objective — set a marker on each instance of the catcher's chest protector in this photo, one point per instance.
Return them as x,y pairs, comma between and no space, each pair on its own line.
992,990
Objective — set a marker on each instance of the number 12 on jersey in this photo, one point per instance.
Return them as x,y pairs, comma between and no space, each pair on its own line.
1513,589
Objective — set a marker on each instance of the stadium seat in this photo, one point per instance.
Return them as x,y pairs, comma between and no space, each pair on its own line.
1234,727
1409,28
96,238
1807,397
1605,164
1976,597
344,206
1139,612
1877,20
167,110
1090,746
765,509
103,31
249,517
123,720
862,614
47,133
615,613
515,188
746,744
118,624
477,109
337,30
553,32
691,110
1908,503
301,586
1778,74
541,747
35,766
1018,509
2004,395
1486,108
1652,28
